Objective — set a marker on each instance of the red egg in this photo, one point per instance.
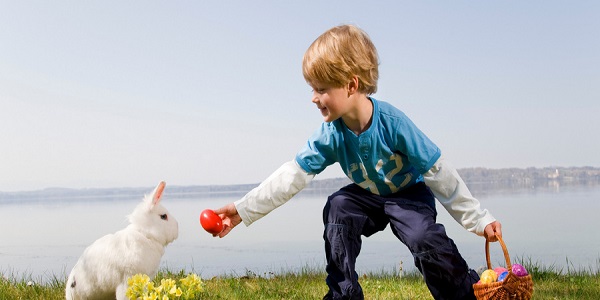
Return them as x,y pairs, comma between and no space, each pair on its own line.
211,222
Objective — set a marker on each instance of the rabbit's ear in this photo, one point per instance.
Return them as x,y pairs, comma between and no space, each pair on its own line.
157,193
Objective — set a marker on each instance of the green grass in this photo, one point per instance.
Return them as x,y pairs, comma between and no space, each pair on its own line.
13,287
549,283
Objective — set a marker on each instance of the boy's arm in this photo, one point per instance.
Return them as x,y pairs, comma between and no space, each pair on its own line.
276,190
453,194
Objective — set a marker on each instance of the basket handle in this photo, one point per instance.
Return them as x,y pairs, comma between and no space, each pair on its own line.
506,256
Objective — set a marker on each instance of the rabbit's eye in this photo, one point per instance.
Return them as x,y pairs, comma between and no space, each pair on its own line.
164,217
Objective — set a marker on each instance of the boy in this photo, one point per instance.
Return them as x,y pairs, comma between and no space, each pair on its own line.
395,169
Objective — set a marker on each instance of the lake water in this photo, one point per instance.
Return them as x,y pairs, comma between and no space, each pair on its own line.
555,227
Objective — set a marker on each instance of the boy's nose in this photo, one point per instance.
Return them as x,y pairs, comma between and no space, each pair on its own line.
315,99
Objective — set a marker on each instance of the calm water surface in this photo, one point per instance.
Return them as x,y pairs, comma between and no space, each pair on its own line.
556,227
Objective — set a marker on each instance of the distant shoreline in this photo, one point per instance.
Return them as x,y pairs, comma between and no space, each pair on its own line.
479,180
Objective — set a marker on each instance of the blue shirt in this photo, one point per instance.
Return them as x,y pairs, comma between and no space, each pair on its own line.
388,157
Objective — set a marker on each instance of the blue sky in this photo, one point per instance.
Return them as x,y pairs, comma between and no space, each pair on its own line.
127,93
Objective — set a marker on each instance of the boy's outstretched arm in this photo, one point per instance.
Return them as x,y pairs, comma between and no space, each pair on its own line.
276,190
230,217
454,195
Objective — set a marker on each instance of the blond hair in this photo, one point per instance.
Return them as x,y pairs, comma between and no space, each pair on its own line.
339,54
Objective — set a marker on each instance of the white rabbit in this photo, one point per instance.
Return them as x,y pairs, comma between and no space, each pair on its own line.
102,270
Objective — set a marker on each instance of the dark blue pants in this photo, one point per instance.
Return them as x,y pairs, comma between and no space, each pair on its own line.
352,212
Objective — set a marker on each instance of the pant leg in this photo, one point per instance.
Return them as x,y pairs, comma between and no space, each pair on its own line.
413,221
348,214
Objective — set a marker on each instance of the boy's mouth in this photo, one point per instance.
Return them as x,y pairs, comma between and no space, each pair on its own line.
323,110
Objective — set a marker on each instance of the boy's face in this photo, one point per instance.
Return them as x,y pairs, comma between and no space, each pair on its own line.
332,102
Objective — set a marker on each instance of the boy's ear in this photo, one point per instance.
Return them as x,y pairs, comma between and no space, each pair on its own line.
353,85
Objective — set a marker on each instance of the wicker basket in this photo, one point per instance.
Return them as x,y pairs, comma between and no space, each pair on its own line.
513,287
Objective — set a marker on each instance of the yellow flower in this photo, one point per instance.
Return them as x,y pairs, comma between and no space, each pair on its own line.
151,296
175,291
137,286
191,286
167,284
140,287
192,281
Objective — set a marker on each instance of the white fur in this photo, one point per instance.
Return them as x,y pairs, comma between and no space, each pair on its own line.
102,270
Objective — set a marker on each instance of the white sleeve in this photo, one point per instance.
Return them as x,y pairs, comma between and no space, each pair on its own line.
276,190
453,194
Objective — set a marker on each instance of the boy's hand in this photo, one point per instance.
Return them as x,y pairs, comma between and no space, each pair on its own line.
230,218
491,230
